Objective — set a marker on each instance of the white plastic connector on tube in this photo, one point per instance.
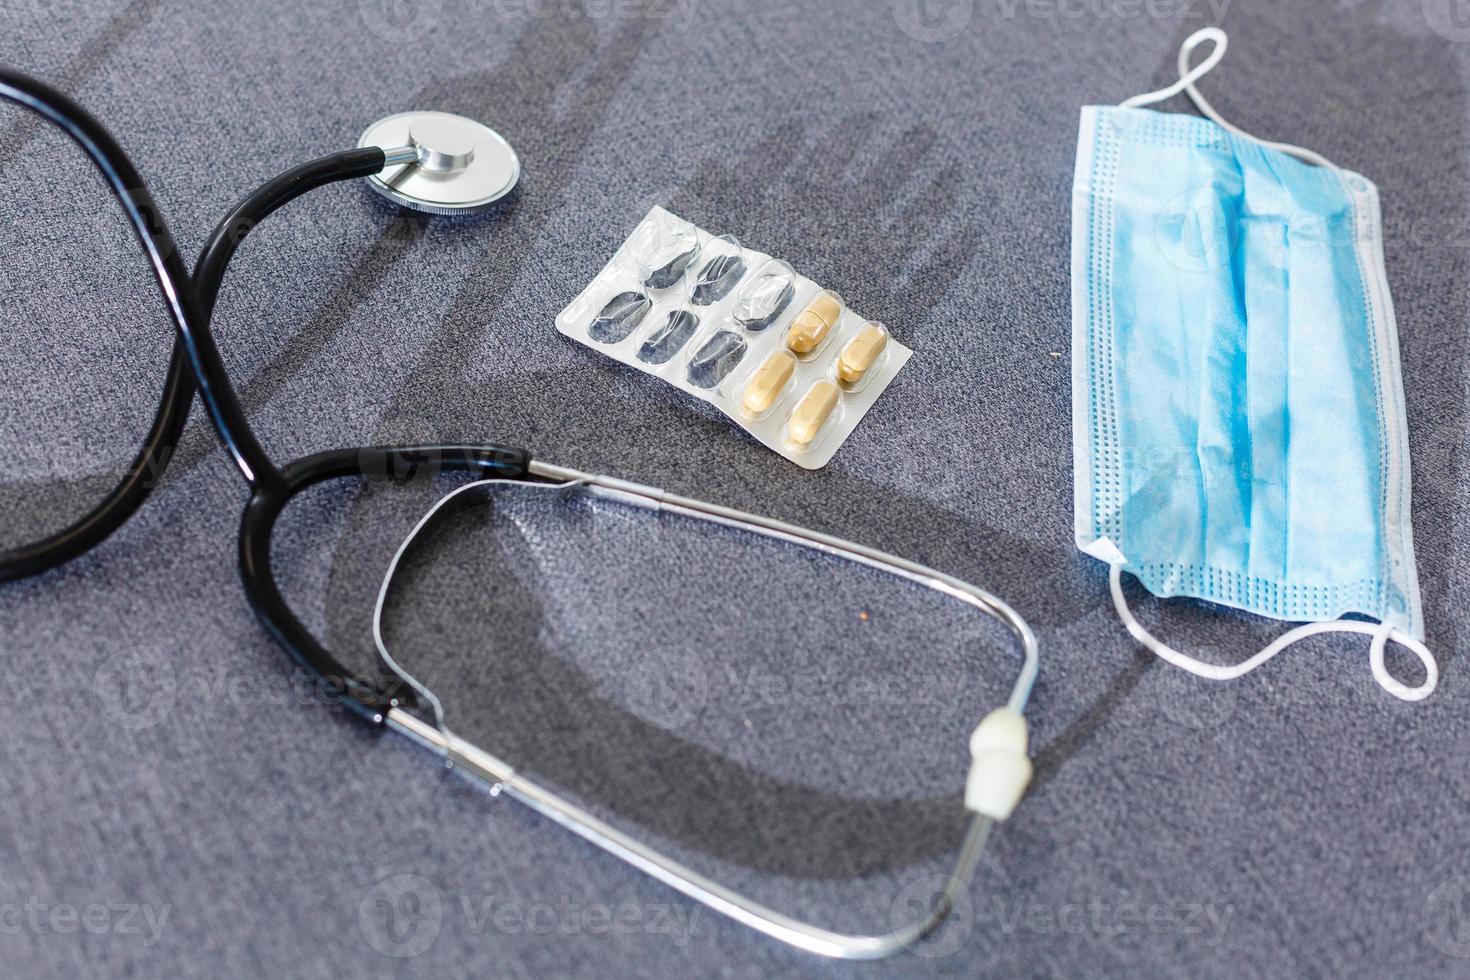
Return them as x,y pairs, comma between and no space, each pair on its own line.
1000,769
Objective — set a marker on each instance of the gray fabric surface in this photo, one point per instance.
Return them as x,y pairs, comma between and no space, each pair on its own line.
177,784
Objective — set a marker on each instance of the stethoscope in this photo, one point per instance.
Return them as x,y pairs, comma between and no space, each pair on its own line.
445,164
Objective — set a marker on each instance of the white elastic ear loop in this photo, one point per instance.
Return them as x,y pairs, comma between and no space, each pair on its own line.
1381,634
1385,679
1189,76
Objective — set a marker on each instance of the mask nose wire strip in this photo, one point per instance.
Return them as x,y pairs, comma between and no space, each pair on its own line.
1381,634
1186,84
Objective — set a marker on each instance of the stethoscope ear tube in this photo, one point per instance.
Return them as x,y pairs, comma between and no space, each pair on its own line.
371,700
1000,767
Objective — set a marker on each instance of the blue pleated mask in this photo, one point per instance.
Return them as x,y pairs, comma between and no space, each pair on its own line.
1239,427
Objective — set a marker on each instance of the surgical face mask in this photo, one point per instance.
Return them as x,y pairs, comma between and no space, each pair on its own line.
1238,410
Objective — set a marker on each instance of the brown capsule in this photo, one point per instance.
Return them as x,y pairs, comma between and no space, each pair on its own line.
862,353
812,412
814,324
767,383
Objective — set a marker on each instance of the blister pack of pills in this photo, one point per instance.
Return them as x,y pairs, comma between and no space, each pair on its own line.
783,357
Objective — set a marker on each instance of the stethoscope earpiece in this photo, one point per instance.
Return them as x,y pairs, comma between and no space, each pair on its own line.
442,163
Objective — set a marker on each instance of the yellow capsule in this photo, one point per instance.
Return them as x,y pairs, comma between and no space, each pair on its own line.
812,412
862,353
814,323
767,383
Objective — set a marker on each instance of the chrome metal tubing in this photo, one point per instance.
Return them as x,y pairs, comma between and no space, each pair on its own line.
399,155
780,530
501,777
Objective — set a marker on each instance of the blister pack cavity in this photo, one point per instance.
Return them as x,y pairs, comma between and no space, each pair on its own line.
783,357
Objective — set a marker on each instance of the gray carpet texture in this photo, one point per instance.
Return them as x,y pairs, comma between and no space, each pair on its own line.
178,799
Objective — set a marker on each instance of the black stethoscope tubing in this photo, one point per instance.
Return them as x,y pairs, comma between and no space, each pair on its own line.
196,365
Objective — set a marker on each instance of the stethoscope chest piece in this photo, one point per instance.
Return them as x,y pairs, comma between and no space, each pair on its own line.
442,163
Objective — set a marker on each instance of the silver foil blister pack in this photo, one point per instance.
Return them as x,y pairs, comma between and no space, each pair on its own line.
773,350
